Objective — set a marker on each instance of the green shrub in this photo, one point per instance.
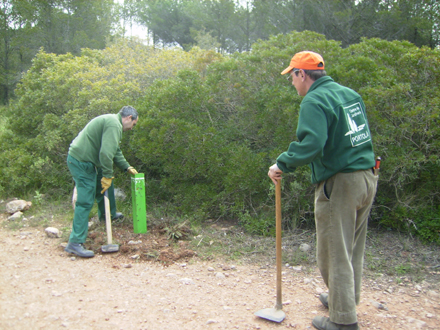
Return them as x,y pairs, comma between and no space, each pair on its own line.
210,126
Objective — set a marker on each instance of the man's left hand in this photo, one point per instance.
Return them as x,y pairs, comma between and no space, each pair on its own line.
105,184
274,173
132,170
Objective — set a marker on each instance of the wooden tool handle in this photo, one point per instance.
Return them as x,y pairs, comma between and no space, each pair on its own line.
108,220
279,304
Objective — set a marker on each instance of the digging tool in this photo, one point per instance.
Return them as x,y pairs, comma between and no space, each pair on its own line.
108,224
276,314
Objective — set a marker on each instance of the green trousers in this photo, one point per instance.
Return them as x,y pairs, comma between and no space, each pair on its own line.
342,206
88,186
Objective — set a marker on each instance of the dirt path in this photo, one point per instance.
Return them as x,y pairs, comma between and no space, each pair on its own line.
42,287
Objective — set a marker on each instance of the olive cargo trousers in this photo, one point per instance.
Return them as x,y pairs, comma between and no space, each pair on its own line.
342,206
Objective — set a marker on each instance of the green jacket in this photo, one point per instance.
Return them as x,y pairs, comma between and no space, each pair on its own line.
333,133
98,143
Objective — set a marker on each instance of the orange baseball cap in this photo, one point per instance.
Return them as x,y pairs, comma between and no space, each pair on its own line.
305,60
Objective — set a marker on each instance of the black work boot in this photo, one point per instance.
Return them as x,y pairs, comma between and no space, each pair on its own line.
324,323
323,297
79,250
117,216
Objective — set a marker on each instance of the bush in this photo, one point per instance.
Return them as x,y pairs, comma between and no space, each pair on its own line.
210,126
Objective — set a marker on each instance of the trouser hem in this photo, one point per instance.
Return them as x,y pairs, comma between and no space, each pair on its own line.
343,318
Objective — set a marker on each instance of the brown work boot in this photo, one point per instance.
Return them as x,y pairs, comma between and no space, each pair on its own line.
323,297
324,323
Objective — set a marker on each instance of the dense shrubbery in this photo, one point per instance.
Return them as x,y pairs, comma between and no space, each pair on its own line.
207,136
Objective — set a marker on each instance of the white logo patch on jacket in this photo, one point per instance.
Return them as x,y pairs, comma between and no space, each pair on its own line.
357,124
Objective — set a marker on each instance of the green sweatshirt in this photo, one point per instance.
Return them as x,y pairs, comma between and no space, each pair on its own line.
98,143
333,133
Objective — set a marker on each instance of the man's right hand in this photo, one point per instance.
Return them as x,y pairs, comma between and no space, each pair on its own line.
105,184
274,173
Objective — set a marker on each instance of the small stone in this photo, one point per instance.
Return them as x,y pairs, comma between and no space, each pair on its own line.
379,305
305,247
220,275
211,321
210,269
52,232
186,281
16,216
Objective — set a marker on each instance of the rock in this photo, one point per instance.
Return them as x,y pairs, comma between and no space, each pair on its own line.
120,194
305,247
186,281
416,324
52,232
220,275
17,205
379,305
433,294
16,216
134,242
210,269
93,223
297,268
318,290
56,294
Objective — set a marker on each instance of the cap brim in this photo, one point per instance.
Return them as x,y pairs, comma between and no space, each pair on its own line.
286,70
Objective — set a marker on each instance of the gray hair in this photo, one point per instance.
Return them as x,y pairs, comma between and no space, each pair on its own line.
128,111
315,74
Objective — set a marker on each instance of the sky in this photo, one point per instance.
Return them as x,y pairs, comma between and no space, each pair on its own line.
135,30
140,31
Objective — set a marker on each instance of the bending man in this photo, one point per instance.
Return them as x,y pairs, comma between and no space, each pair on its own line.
92,152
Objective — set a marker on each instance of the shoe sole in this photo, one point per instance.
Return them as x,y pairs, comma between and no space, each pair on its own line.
77,254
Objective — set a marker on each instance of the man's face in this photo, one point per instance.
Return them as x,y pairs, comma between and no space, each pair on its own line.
298,81
128,123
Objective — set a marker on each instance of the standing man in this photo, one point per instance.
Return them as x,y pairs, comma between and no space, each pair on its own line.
90,160
335,140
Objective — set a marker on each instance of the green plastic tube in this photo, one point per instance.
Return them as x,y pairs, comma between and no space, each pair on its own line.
139,203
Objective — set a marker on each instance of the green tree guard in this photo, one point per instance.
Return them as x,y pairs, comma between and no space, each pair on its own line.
139,204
